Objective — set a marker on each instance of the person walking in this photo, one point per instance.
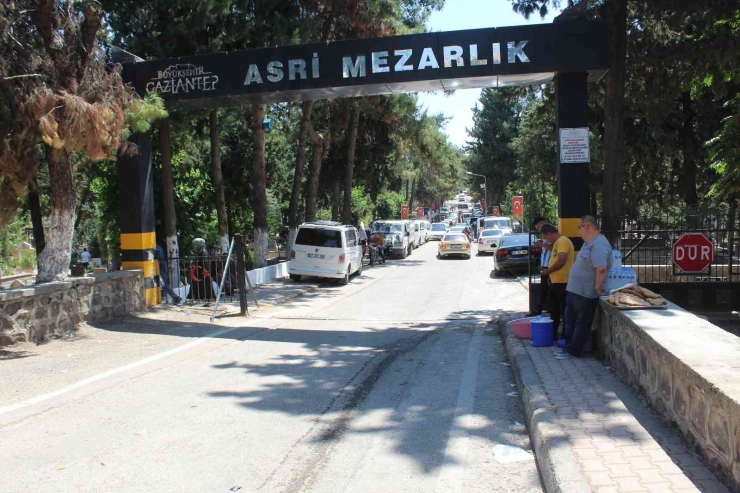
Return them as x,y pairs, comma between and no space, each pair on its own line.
561,261
546,247
379,240
85,257
585,285
163,274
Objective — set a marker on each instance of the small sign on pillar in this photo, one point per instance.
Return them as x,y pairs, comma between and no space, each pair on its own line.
574,145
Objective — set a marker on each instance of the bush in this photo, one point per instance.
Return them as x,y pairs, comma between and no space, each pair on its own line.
28,259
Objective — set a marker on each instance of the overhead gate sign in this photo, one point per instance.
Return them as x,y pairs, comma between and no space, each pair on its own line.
574,145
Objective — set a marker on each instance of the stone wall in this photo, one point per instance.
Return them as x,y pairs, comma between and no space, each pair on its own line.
687,369
36,313
116,294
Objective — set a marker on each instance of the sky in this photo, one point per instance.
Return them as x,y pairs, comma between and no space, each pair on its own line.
468,14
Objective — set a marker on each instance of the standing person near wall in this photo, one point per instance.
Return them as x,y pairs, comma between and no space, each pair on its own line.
546,247
585,285
558,270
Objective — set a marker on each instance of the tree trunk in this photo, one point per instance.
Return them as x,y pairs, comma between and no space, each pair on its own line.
37,220
312,189
688,178
172,248
218,183
614,115
411,198
406,197
336,199
349,171
54,260
298,176
259,188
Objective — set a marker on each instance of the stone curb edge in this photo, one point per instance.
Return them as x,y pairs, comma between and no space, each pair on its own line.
557,464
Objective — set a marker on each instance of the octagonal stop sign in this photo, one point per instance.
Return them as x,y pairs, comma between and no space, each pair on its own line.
693,253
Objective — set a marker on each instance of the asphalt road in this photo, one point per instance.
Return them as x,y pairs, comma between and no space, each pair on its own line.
394,383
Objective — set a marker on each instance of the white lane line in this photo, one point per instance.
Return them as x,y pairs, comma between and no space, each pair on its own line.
115,371
452,472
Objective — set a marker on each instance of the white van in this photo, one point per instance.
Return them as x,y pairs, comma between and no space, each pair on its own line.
326,249
417,233
502,223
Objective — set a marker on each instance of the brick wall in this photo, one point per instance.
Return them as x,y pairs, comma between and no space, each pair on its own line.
687,369
36,313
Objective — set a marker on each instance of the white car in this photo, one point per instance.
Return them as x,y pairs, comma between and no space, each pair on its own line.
500,222
326,249
437,231
416,233
489,240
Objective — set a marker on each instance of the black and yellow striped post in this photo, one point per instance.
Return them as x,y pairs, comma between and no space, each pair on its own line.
571,103
136,215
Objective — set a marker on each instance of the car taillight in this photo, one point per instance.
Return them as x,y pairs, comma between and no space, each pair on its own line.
502,252
341,258
442,246
467,246
292,254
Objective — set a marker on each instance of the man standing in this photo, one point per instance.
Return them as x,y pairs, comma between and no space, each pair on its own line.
561,261
163,271
85,258
546,247
585,285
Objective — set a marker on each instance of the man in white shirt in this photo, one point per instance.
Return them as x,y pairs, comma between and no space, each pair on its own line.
85,258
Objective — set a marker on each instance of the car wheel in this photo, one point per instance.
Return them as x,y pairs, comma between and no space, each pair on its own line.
295,278
345,280
359,271
405,253
411,250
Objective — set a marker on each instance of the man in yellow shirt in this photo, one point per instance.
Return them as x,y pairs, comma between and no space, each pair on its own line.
562,259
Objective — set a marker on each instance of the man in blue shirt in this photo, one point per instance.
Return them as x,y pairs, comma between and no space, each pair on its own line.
163,270
546,247
585,285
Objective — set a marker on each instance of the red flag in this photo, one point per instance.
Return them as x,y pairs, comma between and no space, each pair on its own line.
517,206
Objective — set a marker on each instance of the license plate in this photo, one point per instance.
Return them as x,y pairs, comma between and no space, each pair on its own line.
456,247
316,255
519,252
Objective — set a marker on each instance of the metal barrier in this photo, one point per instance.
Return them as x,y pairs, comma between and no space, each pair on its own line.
196,278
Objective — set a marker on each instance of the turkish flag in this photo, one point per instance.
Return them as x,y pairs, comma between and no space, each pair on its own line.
517,206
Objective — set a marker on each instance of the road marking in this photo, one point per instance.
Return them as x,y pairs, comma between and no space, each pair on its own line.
115,371
452,472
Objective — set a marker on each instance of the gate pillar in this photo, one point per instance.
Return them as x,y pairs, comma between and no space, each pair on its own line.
571,111
136,215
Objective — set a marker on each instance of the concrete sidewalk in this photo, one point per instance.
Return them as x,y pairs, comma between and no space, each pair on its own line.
619,444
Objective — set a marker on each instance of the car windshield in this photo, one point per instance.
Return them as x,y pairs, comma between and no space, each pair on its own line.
328,238
458,228
498,223
455,238
438,227
515,240
492,232
388,228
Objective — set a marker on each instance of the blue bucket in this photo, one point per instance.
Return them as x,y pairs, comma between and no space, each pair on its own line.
541,330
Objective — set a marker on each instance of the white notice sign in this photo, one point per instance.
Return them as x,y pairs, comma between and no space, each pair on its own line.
574,145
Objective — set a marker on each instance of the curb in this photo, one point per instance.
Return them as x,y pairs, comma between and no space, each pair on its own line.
557,464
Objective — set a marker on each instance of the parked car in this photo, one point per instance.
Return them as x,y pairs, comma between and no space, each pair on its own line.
437,231
326,249
427,226
398,236
489,240
513,253
454,243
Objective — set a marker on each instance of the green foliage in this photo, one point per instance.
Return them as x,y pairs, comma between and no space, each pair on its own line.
389,205
725,156
143,112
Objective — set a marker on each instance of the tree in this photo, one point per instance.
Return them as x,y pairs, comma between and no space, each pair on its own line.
76,106
306,108
259,188
350,164
218,183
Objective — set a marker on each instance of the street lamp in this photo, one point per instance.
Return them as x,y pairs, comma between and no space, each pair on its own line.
485,187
